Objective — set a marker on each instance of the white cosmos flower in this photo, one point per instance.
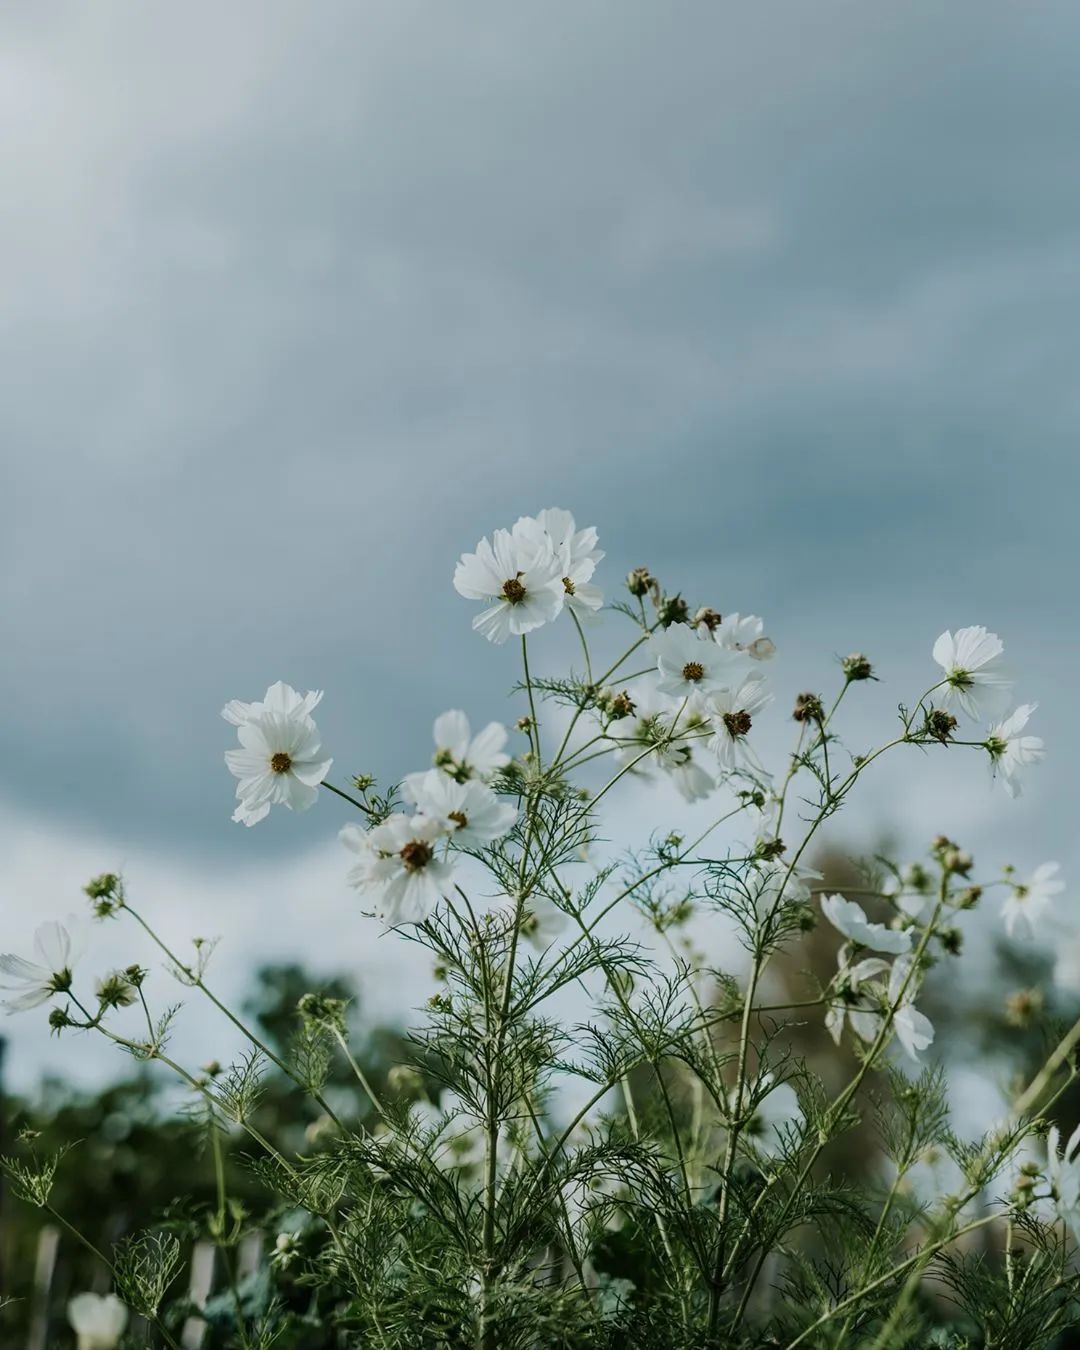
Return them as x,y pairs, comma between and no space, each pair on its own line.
280,698
1063,1173
772,880
776,1117
97,1321
399,866
731,713
461,754
690,665
1010,751
913,1030
1030,900
745,633
856,998
971,660
542,922
57,947
279,761
556,530
470,812
520,582
849,918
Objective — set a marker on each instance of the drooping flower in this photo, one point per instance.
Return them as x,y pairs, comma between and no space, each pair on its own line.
1063,1174
745,633
57,947
98,1321
556,530
913,1029
690,665
279,761
731,713
521,584
461,754
1029,900
1010,751
971,660
399,866
854,997
470,812
849,917
776,1117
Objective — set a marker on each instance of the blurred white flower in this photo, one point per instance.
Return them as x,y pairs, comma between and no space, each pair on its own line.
745,633
470,812
542,922
849,918
1029,900
461,754
57,947
971,660
1067,966
1010,751
98,1321
776,1120
731,713
399,866
574,549
279,760
692,665
1063,1174
520,582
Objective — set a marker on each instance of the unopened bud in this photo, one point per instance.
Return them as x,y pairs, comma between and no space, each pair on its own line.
711,618
940,724
640,582
672,609
857,667
808,708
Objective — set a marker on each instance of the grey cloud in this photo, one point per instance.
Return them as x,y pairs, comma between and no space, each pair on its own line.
299,301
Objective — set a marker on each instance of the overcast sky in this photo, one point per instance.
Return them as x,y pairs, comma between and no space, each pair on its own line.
297,301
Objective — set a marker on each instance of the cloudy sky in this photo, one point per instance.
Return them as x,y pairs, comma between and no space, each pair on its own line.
299,301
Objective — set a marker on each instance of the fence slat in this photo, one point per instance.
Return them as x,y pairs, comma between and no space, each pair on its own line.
199,1289
44,1270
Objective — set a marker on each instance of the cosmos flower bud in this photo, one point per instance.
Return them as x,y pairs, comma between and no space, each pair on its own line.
940,724
808,708
857,667
117,990
320,1010
711,619
640,582
956,860
406,1080
672,609
58,1020
106,894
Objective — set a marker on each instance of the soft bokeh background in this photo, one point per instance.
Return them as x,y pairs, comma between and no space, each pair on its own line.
299,301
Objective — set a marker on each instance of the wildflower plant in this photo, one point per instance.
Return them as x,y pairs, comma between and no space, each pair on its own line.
601,1138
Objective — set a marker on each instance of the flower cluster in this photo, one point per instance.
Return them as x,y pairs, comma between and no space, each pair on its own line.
469,1160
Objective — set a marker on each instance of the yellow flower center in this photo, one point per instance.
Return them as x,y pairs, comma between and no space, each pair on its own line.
281,762
693,670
